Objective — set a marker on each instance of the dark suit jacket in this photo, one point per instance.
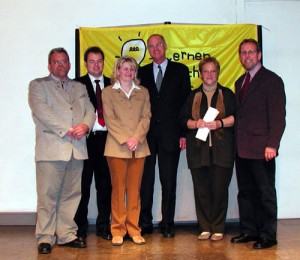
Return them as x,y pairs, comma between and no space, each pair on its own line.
260,119
89,86
166,104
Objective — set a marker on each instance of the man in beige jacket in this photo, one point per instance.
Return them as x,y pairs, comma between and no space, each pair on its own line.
63,115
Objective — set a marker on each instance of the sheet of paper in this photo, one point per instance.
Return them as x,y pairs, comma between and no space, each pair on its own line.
210,115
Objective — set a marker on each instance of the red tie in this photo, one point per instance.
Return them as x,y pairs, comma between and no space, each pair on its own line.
99,104
245,86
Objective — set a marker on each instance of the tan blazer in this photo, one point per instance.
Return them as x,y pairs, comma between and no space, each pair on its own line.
125,118
54,112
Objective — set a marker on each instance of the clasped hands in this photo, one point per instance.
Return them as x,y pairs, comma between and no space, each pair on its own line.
213,125
132,144
78,131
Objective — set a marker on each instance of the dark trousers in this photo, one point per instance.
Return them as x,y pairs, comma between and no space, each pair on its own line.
211,196
95,166
167,165
257,197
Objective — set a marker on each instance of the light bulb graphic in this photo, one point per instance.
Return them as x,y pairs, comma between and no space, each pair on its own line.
135,48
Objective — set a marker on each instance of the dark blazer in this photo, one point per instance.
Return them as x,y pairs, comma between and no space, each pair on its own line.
260,119
166,104
89,86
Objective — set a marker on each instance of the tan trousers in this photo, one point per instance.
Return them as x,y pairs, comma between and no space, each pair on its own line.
126,177
58,191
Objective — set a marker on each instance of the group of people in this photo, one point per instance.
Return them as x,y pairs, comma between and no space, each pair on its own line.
114,130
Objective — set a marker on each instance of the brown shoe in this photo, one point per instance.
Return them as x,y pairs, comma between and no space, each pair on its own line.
139,240
117,240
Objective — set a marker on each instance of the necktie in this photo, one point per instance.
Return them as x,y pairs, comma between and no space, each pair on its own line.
245,86
99,103
159,78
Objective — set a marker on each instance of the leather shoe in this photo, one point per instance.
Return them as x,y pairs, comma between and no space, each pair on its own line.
147,229
105,233
139,240
44,248
263,243
243,238
117,240
168,231
76,243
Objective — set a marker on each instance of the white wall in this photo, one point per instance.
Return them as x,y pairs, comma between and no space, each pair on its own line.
30,28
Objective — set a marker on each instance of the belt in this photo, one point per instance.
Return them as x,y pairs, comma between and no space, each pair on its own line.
99,133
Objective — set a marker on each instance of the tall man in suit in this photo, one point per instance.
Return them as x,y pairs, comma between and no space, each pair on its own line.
260,123
96,164
168,84
63,115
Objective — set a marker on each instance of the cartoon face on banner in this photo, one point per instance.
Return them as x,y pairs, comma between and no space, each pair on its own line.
135,48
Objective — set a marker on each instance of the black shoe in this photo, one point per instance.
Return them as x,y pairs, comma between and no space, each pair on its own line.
76,243
147,230
44,248
104,233
168,231
243,238
263,243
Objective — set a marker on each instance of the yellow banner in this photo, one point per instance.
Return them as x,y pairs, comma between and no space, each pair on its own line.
187,44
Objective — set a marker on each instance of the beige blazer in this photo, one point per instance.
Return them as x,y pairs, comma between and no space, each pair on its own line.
54,112
125,118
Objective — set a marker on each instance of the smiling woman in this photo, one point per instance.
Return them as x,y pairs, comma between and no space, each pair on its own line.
127,115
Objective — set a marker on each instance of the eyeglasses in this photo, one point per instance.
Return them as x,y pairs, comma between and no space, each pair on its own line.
63,62
151,46
250,52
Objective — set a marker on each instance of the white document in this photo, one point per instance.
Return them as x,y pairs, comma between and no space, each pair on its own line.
210,116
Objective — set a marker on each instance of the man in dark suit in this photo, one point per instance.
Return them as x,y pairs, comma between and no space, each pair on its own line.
260,123
96,165
168,84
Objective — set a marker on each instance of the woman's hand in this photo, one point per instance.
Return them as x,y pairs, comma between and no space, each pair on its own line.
132,144
213,125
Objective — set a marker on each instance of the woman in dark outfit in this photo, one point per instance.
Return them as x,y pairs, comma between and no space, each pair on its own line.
210,161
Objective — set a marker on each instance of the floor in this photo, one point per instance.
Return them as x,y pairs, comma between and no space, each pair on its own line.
18,242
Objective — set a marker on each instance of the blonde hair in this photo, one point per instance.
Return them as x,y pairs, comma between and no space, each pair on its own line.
118,64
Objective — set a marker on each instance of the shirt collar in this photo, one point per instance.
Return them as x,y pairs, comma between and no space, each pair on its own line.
56,79
92,78
162,65
117,85
254,70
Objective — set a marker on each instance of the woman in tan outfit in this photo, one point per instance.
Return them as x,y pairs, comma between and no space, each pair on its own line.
127,115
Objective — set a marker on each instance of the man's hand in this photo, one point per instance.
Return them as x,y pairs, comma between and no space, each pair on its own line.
270,153
182,143
78,131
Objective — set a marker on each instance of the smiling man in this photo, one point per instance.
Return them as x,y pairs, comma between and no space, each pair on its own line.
96,166
260,123
63,115
168,84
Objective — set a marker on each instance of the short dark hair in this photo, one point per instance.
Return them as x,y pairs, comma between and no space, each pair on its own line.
57,50
93,49
250,40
